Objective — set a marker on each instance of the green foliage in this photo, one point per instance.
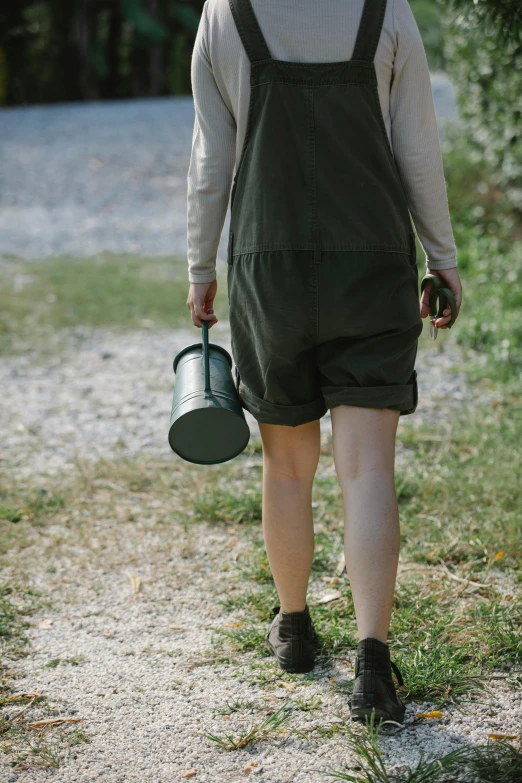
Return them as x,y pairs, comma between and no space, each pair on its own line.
187,16
483,51
486,226
55,50
61,50
427,16
3,76
502,18
145,24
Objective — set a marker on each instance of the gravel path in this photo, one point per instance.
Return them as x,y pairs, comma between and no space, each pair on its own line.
147,684
82,178
112,394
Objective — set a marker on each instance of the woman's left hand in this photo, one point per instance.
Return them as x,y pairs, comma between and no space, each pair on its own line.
451,280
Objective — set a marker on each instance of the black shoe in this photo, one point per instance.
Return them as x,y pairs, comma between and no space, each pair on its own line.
291,638
373,687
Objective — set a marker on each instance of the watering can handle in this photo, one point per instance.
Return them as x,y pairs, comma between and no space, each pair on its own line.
206,356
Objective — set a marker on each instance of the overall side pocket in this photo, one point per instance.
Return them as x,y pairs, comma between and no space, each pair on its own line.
230,262
413,250
230,249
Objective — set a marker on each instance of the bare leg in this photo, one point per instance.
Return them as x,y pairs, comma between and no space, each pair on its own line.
364,455
290,459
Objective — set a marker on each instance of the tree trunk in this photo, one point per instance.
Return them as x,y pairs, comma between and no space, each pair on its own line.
112,82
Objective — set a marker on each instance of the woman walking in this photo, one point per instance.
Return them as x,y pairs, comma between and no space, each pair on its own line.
325,111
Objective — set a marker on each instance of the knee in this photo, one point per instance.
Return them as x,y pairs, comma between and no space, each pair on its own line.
363,441
291,454
351,470
289,468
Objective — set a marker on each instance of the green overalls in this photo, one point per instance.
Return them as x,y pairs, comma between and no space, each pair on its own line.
322,272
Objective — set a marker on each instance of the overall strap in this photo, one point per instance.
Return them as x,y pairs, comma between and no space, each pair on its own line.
369,30
249,30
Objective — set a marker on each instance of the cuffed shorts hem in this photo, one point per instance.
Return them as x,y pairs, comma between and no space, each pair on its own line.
291,415
403,398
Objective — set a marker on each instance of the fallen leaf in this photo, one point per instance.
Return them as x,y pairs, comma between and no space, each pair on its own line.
289,686
232,625
332,595
190,773
334,581
29,695
40,724
178,627
135,583
45,623
249,767
341,564
434,714
499,556
106,632
503,736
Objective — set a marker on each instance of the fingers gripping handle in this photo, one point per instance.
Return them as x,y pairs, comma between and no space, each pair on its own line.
444,297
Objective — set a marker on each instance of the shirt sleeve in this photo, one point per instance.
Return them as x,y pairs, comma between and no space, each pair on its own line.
212,159
416,144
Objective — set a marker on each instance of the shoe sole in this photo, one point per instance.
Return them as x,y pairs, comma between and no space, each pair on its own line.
287,666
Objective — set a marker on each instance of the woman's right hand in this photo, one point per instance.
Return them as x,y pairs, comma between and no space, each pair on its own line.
200,302
451,280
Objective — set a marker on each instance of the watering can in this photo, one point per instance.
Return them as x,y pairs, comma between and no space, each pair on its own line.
207,423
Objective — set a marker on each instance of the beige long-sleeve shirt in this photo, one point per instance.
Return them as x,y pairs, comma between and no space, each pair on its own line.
311,31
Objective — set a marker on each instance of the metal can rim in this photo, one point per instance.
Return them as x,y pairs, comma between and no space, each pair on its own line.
200,345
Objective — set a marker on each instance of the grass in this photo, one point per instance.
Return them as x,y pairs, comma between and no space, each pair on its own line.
461,540
24,744
39,300
223,506
258,731
491,763
458,600
236,706
22,512
480,446
17,604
